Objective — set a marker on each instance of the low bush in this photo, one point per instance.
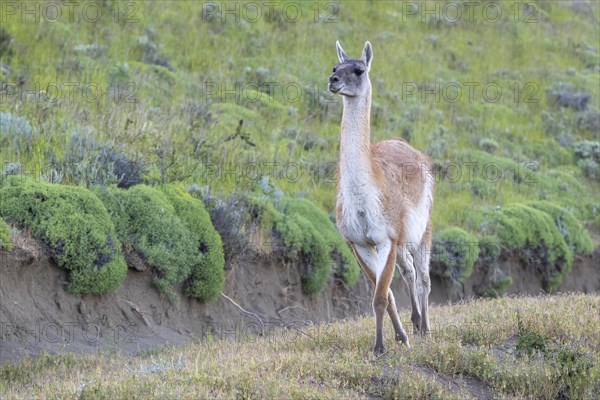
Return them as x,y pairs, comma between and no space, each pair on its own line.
565,95
588,155
454,254
496,281
309,236
74,225
230,218
576,237
207,276
299,235
533,234
16,131
147,224
5,240
346,265
88,162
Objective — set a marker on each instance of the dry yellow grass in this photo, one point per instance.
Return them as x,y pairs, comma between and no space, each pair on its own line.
526,347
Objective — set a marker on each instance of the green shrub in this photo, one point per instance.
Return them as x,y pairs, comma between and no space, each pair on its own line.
298,233
207,276
309,235
5,240
488,145
587,150
481,189
494,169
147,223
16,131
576,237
347,266
75,226
496,281
489,249
500,286
529,341
454,254
533,234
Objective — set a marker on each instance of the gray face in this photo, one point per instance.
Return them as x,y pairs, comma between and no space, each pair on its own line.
349,78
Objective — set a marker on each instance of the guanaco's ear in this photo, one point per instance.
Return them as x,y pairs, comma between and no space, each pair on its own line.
342,56
367,54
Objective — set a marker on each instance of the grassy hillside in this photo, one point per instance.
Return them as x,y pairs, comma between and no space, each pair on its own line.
230,97
513,348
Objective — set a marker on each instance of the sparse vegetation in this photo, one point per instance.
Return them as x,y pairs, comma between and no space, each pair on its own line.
528,347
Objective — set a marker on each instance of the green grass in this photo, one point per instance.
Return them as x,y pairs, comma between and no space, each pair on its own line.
186,111
526,347
176,84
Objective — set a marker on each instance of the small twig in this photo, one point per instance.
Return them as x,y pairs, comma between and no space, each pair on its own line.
290,307
351,292
262,325
141,314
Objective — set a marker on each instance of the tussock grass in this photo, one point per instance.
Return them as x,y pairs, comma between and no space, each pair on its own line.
485,348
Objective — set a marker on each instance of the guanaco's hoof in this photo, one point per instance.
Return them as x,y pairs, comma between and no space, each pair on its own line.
378,350
416,322
401,338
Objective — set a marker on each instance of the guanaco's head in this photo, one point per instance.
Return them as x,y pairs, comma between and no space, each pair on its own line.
351,77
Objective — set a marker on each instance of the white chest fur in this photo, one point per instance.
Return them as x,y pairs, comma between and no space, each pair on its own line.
362,220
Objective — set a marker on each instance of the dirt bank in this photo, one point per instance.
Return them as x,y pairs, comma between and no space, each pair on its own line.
36,313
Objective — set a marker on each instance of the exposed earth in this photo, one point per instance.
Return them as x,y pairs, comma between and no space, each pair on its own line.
261,293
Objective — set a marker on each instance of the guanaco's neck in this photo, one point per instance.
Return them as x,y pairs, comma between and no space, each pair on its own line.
355,144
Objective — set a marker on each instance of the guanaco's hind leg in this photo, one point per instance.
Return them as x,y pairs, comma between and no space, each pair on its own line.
401,335
408,273
421,259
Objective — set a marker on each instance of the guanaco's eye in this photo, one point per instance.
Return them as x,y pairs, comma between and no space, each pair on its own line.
333,69
359,71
